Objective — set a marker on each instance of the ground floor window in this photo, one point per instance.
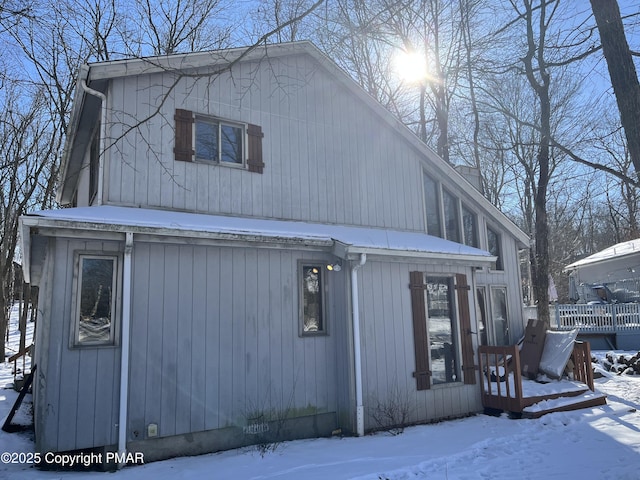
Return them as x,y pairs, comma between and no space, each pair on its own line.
312,308
442,333
96,295
441,327
499,315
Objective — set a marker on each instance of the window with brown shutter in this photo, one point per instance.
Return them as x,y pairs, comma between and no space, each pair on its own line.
468,365
203,138
254,158
183,148
422,373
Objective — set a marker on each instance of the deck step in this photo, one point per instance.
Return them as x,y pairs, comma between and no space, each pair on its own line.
564,404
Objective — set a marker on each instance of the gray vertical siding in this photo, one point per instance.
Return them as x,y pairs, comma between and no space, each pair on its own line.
76,401
215,338
328,157
388,346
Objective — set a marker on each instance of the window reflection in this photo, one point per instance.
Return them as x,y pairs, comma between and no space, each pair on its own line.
312,299
441,328
96,300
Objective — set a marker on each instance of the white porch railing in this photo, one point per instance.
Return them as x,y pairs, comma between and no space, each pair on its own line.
606,318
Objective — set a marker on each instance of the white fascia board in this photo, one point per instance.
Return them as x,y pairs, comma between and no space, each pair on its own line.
25,245
187,62
49,226
452,258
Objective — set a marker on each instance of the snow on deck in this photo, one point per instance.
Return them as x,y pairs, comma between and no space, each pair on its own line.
531,388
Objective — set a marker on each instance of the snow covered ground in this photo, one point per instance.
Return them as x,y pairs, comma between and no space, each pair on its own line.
598,443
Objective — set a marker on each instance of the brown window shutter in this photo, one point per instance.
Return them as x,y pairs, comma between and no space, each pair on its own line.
183,149
254,154
468,365
421,343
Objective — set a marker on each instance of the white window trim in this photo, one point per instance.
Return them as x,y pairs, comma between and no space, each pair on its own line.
115,300
491,289
494,267
220,121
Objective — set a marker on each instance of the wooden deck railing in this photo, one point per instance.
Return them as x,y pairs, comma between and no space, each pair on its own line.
605,318
581,358
501,384
15,357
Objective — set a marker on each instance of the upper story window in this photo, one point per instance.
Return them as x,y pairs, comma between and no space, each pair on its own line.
218,141
432,206
470,227
451,216
494,245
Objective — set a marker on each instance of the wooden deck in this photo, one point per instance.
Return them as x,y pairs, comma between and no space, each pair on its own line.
618,324
504,388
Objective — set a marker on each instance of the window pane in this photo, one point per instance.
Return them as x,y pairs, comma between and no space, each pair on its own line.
432,206
206,141
452,225
312,299
231,144
96,296
441,327
470,226
499,315
482,317
493,240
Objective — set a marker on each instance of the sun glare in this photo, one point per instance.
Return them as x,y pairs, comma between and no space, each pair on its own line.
411,67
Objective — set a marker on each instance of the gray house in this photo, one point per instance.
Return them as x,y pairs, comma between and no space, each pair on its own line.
610,275
255,246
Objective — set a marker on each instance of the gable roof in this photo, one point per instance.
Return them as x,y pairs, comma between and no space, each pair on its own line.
619,250
97,75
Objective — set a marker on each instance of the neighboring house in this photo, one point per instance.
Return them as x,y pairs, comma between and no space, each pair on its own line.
185,295
611,275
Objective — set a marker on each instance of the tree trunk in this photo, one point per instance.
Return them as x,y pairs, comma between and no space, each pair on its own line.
624,78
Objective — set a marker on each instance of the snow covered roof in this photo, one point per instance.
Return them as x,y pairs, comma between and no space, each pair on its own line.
342,239
616,251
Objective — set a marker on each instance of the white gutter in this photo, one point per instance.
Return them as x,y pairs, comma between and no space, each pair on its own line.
124,346
103,134
356,344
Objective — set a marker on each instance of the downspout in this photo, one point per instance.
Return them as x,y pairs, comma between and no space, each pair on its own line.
103,134
124,352
356,344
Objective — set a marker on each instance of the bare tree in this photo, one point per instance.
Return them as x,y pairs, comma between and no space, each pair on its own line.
26,153
174,26
622,71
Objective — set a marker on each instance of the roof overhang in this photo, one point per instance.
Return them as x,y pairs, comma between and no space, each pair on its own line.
610,254
346,242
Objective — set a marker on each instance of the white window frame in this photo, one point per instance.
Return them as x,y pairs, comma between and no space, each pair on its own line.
76,342
220,122
499,265
493,313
